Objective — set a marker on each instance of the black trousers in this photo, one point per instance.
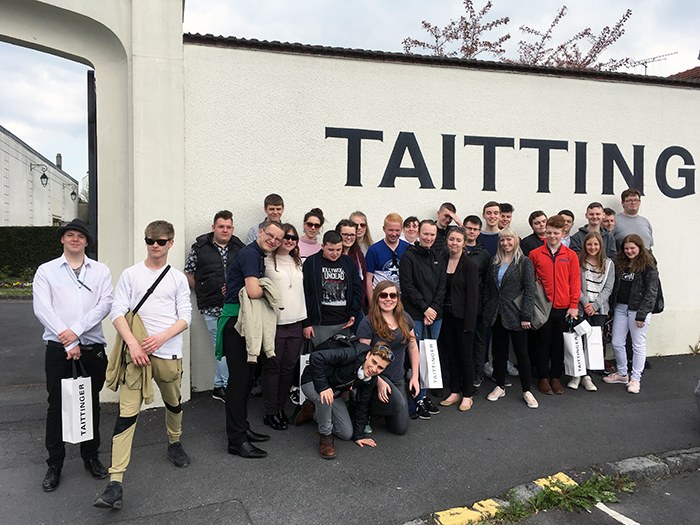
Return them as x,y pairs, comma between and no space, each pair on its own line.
240,381
549,345
500,354
57,367
460,360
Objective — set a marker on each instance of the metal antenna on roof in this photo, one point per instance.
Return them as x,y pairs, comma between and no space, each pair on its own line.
646,61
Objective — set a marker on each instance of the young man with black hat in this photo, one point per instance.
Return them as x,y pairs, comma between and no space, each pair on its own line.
72,294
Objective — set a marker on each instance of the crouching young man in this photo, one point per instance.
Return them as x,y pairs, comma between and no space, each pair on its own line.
332,372
165,313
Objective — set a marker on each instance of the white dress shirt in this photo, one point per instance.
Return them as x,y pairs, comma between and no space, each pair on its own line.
62,300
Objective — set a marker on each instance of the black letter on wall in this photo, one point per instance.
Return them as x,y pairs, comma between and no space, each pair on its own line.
490,144
543,147
406,141
687,173
581,165
354,137
448,162
612,157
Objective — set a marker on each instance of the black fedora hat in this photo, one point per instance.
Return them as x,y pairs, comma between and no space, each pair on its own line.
77,225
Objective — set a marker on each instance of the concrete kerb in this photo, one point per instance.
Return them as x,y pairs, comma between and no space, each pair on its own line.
642,468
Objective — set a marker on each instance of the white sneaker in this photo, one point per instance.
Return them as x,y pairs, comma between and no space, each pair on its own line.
573,384
496,394
530,400
587,383
512,371
633,386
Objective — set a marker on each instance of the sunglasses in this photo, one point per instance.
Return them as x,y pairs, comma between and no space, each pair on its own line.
386,351
291,237
161,242
388,295
315,225
361,224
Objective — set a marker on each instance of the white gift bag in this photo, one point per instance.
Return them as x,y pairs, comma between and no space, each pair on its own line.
430,372
303,363
574,355
595,350
76,407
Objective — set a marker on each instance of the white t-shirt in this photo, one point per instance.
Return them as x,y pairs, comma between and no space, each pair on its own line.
169,303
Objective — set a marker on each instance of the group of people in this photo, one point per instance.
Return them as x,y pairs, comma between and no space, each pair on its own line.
358,308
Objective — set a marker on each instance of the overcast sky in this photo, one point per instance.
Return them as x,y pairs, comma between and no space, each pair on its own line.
43,98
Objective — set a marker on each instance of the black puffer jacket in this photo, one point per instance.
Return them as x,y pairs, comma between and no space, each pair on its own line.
422,279
643,292
210,275
337,368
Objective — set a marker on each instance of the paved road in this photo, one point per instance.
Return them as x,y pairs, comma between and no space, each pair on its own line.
452,460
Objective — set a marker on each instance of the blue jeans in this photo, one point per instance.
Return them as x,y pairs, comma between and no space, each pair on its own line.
221,372
418,327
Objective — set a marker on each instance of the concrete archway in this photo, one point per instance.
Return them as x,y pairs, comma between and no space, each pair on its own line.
136,50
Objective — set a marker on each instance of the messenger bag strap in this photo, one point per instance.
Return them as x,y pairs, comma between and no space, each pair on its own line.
150,290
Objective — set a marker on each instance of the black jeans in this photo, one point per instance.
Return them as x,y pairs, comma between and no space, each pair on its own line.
57,367
278,371
240,381
549,345
395,412
500,354
459,346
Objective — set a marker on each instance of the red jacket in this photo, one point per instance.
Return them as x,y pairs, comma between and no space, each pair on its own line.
560,275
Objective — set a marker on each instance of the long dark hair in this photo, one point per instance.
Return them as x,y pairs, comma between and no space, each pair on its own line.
377,320
294,253
640,262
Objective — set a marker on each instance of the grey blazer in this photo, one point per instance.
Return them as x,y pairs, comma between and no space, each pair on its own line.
518,278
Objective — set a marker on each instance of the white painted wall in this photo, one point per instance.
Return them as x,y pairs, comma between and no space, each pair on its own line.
255,123
25,202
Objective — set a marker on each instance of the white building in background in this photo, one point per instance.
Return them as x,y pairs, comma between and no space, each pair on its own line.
35,191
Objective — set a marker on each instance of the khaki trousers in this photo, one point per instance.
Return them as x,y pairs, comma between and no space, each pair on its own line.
167,374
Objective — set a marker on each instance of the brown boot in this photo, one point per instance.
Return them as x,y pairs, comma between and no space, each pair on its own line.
557,387
326,446
544,386
305,413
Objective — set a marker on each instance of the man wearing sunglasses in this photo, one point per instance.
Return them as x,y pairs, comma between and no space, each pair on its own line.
72,294
165,313
245,272
206,266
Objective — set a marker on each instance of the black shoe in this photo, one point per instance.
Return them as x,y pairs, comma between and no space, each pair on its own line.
52,479
177,455
254,437
431,408
247,450
274,422
96,469
219,393
282,417
111,498
422,411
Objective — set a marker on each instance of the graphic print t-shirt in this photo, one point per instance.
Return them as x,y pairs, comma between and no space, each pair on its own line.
334,286
623,295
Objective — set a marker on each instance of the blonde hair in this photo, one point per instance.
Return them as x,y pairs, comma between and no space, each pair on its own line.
500,254
393,217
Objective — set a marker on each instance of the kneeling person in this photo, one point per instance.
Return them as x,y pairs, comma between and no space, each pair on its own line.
332,372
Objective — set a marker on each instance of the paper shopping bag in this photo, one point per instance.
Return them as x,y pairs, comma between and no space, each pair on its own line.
76,407
430,372
574,356
595,351
303,362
